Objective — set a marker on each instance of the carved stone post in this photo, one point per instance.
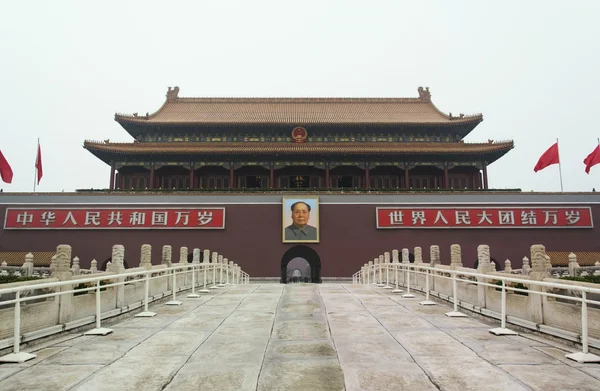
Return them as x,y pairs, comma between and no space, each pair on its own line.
484,260
396,261
166,255
418,255
53,265
405,256
28,265
539,271
375,269
455,256
146,257
63,273
205,262
196,256
220,271
573,265
183,255
76,270
213,260
118,256
525,269
434,255
507,266
94,266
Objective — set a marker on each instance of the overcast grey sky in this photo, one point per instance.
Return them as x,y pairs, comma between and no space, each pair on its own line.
531,67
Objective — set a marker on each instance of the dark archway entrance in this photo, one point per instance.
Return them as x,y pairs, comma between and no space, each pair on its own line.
308,254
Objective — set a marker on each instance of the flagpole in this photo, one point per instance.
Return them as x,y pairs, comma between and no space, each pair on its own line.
36,164
559,168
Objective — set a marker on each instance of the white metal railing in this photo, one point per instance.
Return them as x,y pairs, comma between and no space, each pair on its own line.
237,275
372,274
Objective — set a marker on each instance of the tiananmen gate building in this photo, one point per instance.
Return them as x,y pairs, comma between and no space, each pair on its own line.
332,181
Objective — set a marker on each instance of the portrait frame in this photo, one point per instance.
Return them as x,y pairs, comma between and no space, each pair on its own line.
287,221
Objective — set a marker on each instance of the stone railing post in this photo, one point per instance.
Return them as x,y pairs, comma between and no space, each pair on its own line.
118,267
418,255
183,255
63,273
573,265
434,254
166,260
507,266
76,269
28,265
196,256
539,271
213,260
434,259
220,271
483,267
167,253
405,256
53,265
146,256
395,261
94,266
455,256
525,269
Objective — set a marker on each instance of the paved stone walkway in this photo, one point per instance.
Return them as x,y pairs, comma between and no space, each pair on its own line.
299,337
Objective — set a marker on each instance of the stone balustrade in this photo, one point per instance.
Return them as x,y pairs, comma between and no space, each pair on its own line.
560,316
77,305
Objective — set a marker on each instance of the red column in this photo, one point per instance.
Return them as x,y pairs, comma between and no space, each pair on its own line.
271,177
367,179
485,177
191,175
231,184
446,182
112,177
152,176
406,176
327,184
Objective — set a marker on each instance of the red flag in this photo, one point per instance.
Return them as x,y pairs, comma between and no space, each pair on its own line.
592,159
548,158
38,164
5,170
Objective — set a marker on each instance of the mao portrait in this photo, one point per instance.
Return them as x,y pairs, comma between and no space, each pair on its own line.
301,220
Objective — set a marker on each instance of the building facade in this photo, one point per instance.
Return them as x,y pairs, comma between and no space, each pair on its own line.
293,143
312,161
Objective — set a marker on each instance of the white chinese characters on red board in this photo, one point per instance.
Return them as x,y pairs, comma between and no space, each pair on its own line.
105,218
552,217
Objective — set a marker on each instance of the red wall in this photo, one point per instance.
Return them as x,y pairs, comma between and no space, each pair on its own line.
252,238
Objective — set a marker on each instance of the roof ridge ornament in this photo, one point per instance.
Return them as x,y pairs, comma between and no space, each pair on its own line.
172,94
424,94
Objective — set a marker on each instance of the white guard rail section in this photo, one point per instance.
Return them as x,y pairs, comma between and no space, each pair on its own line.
22,294
373,275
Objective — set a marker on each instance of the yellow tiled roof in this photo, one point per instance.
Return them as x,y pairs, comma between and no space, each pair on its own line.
178,110
40,258
583,258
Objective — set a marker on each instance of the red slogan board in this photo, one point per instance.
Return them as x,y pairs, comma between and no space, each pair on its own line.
115,218
498,217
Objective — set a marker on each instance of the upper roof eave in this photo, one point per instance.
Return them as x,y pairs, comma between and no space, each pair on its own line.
179,111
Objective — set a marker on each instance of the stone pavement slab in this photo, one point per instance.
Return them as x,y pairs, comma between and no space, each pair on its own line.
300,337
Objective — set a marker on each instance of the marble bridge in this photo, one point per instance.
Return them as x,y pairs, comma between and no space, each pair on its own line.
299,337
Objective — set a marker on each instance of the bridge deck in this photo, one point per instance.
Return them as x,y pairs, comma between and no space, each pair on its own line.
299,337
